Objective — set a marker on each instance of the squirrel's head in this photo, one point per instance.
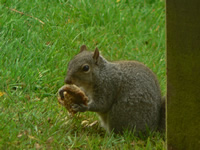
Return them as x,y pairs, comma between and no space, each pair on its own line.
84,67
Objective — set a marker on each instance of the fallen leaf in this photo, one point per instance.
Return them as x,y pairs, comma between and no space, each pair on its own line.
157,28
50,140
20,135
37,146
48,43
26,132
92,124
140,142
2,93
27,97
37,99
32,137
85,123
49,120
133,143
68,21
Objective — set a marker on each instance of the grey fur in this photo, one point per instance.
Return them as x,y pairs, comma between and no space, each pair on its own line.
125,94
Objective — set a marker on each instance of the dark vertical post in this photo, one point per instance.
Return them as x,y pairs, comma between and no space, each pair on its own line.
183,74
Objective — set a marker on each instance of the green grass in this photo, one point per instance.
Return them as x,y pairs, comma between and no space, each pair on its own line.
34,58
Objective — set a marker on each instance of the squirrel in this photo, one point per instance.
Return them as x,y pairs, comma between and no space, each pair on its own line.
125,94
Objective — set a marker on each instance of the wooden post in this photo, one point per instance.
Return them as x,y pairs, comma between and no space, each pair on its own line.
183,74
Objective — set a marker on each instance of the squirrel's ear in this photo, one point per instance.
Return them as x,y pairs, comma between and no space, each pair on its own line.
83,48
96,55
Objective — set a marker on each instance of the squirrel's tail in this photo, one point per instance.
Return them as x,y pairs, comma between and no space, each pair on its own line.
162,121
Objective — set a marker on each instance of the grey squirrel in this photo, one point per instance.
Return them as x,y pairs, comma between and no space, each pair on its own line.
125,94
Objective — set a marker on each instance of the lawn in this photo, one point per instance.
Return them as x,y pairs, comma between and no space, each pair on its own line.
37,40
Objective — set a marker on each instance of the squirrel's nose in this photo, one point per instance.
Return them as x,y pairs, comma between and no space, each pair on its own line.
68,80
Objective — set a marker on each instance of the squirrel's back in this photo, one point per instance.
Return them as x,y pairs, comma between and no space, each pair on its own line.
137,101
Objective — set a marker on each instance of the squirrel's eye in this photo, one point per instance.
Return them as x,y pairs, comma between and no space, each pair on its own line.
85,68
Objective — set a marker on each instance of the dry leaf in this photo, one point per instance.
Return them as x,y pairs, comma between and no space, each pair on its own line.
2,93
140,142
50,140
32,137
92,124
26,132
157,28
19,135
27,97
37,146
133,143
85,123
69,21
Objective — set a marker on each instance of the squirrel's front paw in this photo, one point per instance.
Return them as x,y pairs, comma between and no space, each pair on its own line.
62,91
79,107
